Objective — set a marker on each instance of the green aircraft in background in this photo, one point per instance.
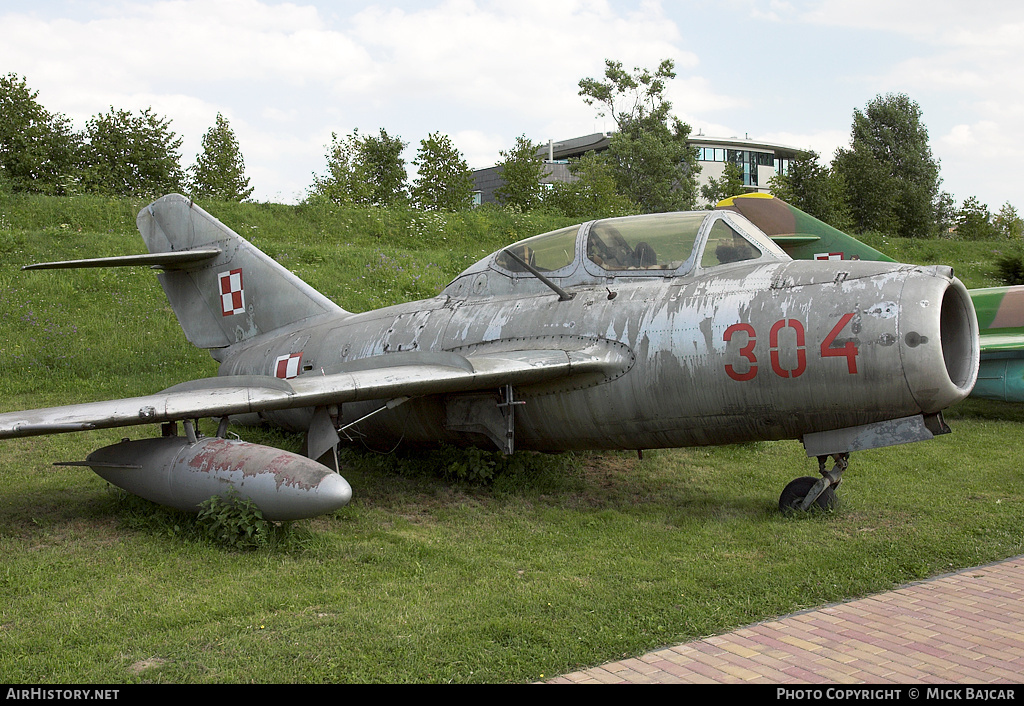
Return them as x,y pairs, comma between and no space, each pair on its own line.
1000,310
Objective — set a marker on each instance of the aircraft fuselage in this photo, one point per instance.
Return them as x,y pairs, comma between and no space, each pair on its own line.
757,351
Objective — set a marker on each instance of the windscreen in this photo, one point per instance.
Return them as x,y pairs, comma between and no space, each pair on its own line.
725,245
641,243
547,252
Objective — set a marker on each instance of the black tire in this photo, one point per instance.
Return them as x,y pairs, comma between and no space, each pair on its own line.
793,496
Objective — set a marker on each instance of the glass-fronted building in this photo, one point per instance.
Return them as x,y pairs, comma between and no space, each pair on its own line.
759,161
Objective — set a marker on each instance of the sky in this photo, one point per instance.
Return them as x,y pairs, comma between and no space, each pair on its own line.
286,75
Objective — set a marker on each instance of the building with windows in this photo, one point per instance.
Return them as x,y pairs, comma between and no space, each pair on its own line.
759,161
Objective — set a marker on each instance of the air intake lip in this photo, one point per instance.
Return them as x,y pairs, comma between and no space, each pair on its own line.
958,326
939,342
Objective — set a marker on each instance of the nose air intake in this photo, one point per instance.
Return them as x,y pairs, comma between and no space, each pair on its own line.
958,327
944,374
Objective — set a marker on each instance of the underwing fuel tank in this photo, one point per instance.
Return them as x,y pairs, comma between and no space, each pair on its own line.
173,471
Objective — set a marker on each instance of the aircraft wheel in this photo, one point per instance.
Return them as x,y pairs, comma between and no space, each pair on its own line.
793,496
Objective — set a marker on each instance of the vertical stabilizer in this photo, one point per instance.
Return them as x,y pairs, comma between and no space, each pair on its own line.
800,234
234,296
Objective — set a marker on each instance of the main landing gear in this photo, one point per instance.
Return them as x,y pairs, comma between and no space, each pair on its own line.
807,493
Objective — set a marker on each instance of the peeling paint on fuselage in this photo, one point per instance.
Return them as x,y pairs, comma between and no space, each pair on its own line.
679,392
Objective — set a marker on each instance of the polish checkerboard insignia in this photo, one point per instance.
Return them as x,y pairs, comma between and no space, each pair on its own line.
828,256
232,296
287,366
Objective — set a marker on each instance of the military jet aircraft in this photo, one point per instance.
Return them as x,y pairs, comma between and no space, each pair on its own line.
642,332
1000,310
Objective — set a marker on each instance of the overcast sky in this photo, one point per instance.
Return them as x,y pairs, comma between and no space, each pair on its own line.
288,74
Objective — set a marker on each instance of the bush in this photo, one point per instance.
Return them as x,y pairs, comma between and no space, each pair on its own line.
1011,269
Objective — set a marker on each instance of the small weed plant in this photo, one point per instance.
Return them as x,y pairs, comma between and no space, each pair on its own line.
236,522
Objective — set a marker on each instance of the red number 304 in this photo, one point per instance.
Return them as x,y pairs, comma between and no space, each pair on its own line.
828,349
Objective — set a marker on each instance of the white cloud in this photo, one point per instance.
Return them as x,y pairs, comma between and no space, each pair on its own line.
484,72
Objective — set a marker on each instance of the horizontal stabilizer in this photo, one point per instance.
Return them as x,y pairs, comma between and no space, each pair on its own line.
165,260
795,239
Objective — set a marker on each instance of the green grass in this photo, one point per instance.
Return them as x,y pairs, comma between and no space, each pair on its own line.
562,563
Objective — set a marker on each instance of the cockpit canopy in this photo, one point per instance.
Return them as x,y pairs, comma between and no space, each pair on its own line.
662,244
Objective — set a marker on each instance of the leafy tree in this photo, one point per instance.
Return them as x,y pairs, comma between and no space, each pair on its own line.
1008,223
364,170
653,163
522,170
385,169
38,149
889,152
126,155
974,221
872,192
945,213
344,182
219,171
592,194
814,189
731,184
444,181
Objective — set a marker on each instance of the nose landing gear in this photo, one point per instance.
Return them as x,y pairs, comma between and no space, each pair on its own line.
807,493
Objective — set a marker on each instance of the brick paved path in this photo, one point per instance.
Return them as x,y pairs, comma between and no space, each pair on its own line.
964,628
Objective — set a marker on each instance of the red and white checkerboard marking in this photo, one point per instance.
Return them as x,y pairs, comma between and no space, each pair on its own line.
828,256
287,366
232,296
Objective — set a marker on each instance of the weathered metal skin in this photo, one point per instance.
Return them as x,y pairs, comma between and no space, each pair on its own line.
645,332
174,472
746,352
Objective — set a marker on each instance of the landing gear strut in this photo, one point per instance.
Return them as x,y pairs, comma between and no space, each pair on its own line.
808,492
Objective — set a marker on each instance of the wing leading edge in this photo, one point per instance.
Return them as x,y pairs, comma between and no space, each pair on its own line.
243,394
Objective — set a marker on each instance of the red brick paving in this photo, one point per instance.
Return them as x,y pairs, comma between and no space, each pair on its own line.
964,628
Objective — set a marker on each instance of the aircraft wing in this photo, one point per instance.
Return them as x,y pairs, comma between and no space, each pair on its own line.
420,374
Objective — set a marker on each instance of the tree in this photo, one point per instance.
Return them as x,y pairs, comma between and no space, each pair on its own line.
522,170
872,192
945,213
219,171
1008,223
38,149
814,189
344,182
385,169
731,184
591,194
444,181
889,152
362,170
653,163
126,155
974,221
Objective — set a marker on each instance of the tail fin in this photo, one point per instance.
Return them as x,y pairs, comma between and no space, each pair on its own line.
232,296
800,234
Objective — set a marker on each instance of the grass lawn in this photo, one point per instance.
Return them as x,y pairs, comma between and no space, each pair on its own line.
565,562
